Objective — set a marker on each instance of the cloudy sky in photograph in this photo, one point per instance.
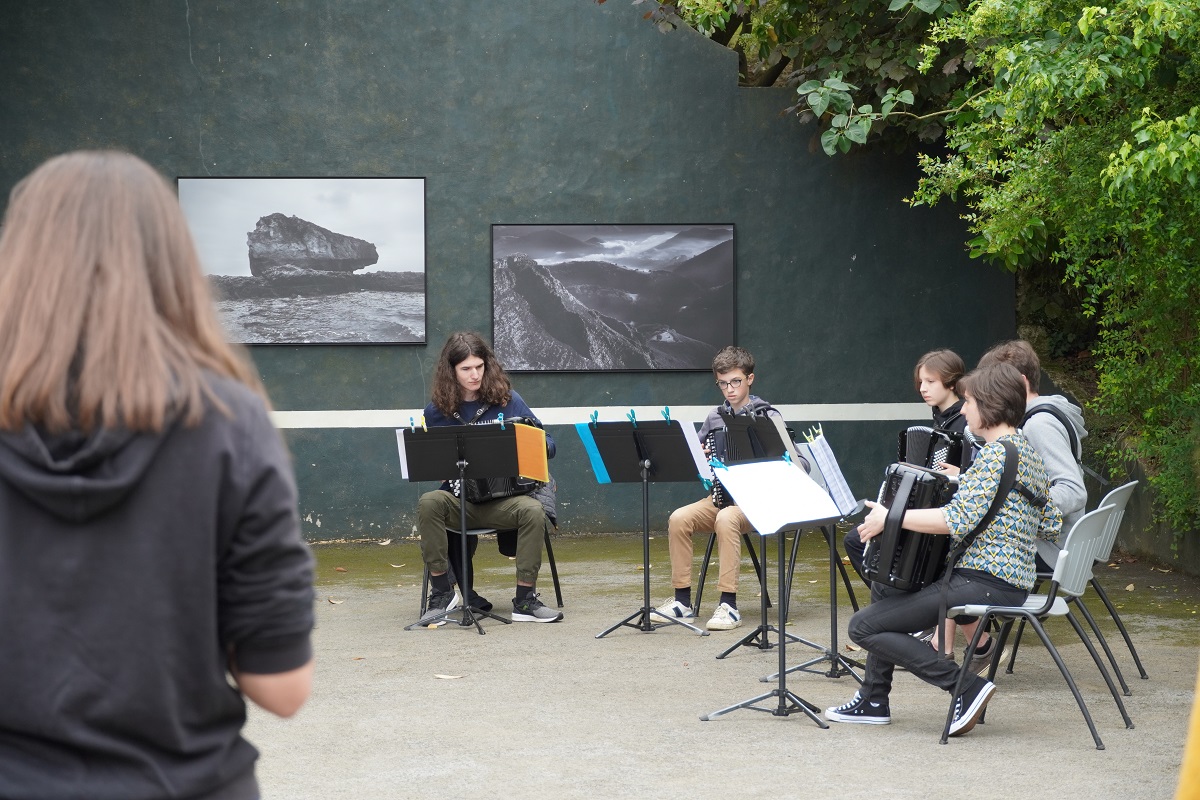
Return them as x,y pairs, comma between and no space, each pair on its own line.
388,212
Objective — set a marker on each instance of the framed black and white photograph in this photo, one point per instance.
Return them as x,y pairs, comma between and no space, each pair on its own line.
312,260
612,297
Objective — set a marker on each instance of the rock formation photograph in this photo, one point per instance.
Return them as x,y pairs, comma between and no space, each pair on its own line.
312,260
612,297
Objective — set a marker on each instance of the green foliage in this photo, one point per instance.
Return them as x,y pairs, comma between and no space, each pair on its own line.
861,67
1073,143
1077,154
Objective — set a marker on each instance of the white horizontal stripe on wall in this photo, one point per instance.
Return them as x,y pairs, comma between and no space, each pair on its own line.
569,415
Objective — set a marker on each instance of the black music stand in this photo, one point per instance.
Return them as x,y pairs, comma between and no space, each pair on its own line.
750,439
473,451
839,665
631,452
789,703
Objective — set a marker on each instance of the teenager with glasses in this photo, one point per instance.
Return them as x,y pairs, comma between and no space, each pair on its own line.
733,369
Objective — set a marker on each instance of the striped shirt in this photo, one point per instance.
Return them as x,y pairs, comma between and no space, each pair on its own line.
1005,549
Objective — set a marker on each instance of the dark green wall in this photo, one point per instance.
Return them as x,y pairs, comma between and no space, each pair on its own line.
549,111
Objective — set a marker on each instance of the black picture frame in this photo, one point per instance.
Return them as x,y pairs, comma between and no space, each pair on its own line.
619,298
312,260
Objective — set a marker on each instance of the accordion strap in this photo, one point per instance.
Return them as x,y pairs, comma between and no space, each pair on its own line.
1007,481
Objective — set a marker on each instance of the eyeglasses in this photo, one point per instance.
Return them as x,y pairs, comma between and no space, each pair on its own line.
736,383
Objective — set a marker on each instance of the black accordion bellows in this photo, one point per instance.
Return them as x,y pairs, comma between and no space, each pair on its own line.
931,447
902,558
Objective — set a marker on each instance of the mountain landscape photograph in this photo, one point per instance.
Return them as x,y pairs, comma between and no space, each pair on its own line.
612,297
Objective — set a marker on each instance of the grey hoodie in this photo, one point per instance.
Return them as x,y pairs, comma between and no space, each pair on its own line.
1053,444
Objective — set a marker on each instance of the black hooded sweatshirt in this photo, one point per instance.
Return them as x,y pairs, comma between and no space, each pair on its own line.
131,566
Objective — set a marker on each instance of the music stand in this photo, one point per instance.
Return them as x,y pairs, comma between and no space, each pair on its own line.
839,665
643,451
776,496
473,451
750,439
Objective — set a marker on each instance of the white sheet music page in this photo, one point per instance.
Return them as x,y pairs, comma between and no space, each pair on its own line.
776,494
696,450
403,455
834,480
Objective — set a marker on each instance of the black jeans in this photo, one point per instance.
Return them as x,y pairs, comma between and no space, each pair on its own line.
884,628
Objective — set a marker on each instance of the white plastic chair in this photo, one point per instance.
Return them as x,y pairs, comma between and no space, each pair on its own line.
1117,500
1069,580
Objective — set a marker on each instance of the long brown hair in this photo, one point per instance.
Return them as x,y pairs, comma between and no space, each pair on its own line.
105,317
447,394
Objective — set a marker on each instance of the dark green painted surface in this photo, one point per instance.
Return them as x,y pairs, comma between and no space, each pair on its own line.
550,111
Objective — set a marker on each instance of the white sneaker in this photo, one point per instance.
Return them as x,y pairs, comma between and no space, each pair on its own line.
725,618
672,610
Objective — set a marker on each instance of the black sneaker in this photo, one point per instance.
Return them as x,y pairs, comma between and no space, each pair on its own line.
533,610
859,710
440,602
969,706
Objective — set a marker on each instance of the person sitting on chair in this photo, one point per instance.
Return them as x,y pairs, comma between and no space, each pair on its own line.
733,368
470,387
936,377
996,569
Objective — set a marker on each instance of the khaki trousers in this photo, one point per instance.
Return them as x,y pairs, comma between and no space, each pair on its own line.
729,523
438,510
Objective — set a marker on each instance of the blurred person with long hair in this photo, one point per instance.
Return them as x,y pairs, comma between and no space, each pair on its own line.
152,572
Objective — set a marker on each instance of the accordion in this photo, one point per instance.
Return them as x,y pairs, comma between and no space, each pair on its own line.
714,442
481,490
900,558
932,447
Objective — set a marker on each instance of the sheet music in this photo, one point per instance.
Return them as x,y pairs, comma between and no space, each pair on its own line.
403,455
697,451
835,482
775,494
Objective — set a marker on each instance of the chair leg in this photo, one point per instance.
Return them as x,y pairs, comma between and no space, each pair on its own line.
1120,626
553,570
424,591
1100,665
712,540
1066,673
1087,615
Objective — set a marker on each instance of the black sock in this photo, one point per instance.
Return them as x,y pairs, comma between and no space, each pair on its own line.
440,583
523,592
684,596
729,598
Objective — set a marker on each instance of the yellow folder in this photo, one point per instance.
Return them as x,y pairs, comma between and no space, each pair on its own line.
531,453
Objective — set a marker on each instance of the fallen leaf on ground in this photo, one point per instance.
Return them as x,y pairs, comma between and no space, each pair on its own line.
385,541
1129,588
447,677
397,566
335,602
339,569
359,658
853,648
812,581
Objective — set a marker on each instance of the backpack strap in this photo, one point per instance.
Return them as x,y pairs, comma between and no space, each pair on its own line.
1076,447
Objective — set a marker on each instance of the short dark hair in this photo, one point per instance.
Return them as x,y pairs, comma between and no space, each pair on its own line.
731,358
998,393
946,364
1021,355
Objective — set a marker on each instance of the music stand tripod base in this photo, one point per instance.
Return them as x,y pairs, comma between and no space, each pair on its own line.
788,703
647,625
